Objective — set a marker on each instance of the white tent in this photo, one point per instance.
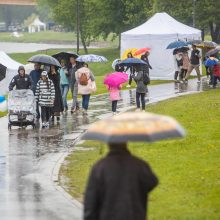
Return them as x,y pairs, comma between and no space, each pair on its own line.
36,26
11,71
160,30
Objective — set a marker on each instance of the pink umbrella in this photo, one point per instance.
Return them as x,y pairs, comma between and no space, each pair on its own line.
142,50
116,79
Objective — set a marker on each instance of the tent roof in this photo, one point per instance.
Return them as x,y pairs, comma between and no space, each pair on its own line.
6,61
37,22
160,24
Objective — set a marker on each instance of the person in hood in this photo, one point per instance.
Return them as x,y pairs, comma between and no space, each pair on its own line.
118,186
21,80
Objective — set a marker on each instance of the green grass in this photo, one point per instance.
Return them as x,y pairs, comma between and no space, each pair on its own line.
188,169
2,114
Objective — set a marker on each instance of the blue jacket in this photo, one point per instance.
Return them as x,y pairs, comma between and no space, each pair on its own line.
35,76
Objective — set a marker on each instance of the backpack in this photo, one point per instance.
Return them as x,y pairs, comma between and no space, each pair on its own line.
83,79
146,78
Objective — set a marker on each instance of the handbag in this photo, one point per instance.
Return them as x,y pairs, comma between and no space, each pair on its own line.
93,87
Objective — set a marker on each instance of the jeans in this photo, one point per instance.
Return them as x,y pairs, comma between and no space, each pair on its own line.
142,96
85,101
114,105
64,91
74,91
45,113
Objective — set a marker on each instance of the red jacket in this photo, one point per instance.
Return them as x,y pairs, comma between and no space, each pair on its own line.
216,69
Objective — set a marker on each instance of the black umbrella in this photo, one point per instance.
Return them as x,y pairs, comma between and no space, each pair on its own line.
65,56
2,72
131,62
44,59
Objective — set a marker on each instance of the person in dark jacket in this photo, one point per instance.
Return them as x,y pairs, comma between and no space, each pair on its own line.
58,102
21,80
118,187
35,76
131,69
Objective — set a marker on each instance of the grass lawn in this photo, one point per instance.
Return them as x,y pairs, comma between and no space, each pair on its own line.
188,169
2,114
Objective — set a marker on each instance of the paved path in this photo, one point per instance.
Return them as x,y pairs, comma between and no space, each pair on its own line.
30,159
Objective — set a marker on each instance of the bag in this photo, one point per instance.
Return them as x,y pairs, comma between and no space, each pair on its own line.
146,78
93,87
83,79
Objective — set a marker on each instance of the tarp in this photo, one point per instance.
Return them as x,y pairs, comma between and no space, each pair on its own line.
160,30
11,71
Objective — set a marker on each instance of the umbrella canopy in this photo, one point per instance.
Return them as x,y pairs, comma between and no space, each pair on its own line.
211,61
65,56
116,79
177,44
133,126
132,62
195,42
141,51
126,52
213,51
2,72
207,44
91,58
44,59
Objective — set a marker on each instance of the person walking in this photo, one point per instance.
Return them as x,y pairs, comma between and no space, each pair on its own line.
186,61
114,93
21,80
178,62
64,83
74,66
141,89
45,96
131,71
86,85
194,63
35,76
118,186
58,102
216,74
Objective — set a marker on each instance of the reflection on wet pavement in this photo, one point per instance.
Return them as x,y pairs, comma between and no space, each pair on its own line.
28,157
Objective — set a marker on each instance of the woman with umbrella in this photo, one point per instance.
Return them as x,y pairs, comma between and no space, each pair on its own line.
132,70
58,102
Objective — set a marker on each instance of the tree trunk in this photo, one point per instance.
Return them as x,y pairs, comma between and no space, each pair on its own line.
83,42
215,32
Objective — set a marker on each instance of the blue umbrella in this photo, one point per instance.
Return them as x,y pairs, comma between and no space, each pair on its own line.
132,61
211,62
177,44
91,58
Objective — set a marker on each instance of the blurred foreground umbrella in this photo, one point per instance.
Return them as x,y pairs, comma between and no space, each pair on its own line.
91,58
65,56
207,44
133,126
116,79
176,44
132,62
213,51
141,51
44,59
2,72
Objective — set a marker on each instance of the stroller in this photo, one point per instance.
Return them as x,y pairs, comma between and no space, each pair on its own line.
21,108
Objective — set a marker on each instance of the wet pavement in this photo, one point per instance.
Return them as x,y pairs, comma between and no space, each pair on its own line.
30,159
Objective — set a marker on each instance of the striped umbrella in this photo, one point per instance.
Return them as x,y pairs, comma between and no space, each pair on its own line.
91,58
133,126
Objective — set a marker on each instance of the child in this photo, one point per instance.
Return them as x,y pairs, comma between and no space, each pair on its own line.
216,74
114,93
45,96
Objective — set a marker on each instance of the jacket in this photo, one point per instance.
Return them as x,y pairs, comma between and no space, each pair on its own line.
35,76
148,66
216,70
118,188
141,87
85,90
64,76
45,93
21,82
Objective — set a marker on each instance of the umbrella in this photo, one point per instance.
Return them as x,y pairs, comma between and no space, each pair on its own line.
65,56
142,50
213,51
115,62
2,72
133,126
116,79
211,61
177,44
132,61
91,58
126,52
194,42
207,44
44,59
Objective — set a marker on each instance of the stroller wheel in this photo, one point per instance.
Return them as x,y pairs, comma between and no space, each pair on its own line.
9,126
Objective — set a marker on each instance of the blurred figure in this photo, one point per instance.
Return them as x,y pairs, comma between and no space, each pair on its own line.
185,66
64,83
178,62
118,187
21,80
35,76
